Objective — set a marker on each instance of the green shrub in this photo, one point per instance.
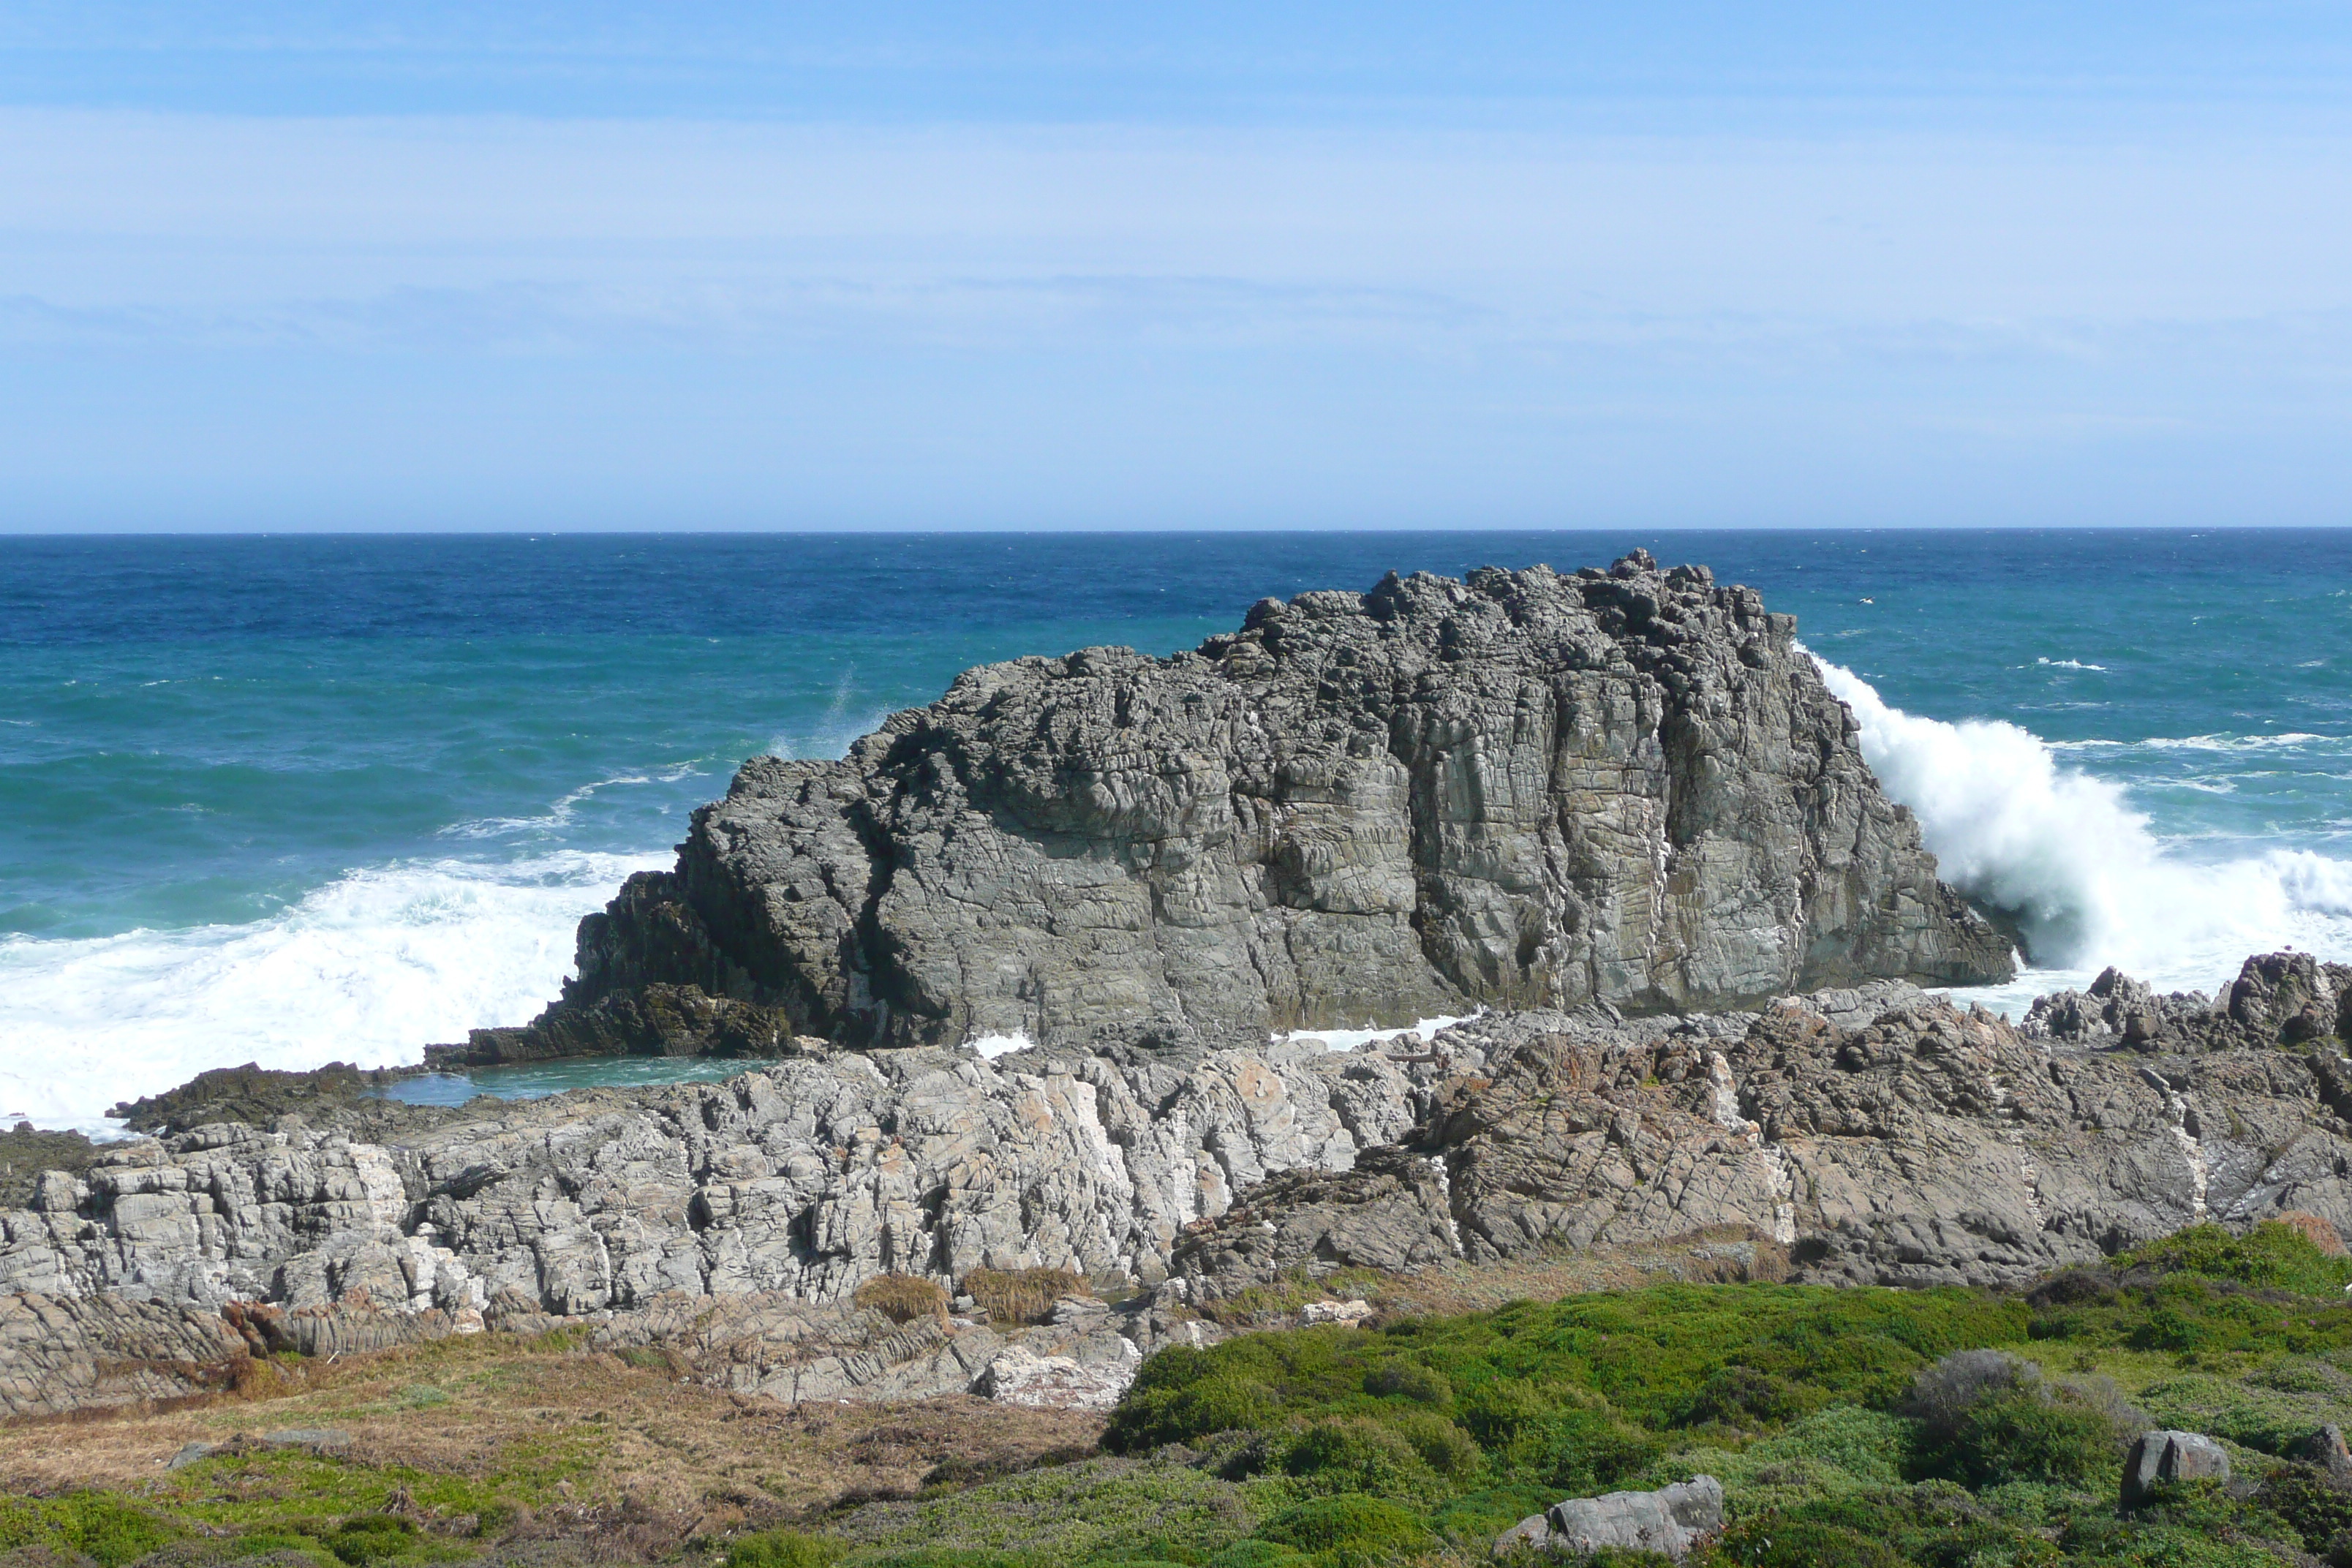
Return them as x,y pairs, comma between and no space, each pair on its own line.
1260,1554
1843,1447
2021,1436
1410,1380
1476,1520
370,1538
784,1548
1185,1414
1774,1540
2304,1498
1743,1396
1360,1456
1442,1445
1065,1514
1350,1526
100,1527
936,1557
2272,1256
1591,1449
1498,1413
2262,1418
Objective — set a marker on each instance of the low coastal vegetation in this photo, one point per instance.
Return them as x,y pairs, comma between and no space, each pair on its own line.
1865,1427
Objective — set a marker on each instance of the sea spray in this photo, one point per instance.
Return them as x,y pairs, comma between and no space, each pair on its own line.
2067,854
368,970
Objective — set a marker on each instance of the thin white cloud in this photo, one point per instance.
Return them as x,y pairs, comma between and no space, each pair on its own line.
998,324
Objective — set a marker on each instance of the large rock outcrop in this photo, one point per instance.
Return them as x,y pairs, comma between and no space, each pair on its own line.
1522,790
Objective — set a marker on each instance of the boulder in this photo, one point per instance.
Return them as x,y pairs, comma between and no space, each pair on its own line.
2324,1449
2278,999
1520,789
1343,1313
2165,1459
1670,1520
1018,1376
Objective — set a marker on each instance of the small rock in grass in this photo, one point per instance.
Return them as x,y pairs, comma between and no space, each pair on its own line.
1335,1311
1671,1521
2163,1458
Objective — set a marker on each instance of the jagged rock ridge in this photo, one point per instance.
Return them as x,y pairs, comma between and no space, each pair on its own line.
1876,1134
1522,790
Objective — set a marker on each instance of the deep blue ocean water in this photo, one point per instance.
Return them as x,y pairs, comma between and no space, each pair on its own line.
294,799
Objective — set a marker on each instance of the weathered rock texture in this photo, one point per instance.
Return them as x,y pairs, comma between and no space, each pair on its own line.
2278,999
1523,790
2168,1459
1670,1520
1883,1136
1876,1134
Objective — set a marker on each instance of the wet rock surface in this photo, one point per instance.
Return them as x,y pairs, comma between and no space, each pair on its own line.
1525,789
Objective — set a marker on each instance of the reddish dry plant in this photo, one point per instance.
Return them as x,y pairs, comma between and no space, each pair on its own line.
2321,1235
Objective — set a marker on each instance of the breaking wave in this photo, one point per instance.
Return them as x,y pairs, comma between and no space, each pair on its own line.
368,969
2064,852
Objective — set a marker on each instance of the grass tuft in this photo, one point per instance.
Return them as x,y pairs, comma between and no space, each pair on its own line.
1022,1295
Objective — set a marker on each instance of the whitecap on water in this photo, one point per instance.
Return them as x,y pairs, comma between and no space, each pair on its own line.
368,969
1423,1031
2090,883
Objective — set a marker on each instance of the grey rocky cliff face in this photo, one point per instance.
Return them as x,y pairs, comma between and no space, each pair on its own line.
1873,1134
1523,790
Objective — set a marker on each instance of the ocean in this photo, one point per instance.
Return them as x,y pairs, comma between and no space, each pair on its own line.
298,799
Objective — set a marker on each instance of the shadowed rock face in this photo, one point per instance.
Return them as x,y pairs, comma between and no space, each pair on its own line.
1523,790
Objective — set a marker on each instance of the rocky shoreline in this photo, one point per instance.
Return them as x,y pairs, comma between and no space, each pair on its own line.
1869,1135
1615,817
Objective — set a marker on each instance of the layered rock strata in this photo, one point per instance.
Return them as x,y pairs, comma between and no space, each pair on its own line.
1521,790
1876,1134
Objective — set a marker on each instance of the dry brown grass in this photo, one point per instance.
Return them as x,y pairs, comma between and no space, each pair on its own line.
903,1298
1022,1295
672,1455
1547,1274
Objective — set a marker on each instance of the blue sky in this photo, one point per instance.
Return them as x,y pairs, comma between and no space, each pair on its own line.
602,265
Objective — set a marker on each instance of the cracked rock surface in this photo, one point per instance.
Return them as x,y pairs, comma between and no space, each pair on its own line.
1877,1133
1524,789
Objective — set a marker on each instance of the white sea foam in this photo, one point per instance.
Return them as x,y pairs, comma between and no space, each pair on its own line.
991,1047
368,969
2070,663
559,814
2089,884
1423,1031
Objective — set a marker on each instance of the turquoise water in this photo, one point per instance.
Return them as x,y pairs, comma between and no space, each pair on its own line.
299,799
537,1081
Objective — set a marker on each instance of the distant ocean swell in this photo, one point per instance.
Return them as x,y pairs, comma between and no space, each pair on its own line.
2089,882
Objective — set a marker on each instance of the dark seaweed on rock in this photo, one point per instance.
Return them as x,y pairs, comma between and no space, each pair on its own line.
1527,790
